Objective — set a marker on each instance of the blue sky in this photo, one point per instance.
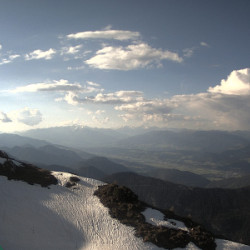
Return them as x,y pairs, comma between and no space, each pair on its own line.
171,64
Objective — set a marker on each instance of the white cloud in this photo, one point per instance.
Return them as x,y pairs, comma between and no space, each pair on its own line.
12,57
4,61
61,85
237,83
30,117
200,111
131,57
93,84
40,54
204,44
215,110
218,108
4,118
156,111
188,52
106,34
156,106
118,97
1,46
9,59
56,86
226,109
71,50
71,98
76,68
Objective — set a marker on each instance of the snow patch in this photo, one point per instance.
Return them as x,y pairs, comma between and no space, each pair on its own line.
229,245
190,246
156,218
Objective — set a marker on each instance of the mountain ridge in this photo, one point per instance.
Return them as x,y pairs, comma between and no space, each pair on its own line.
68,216
217,209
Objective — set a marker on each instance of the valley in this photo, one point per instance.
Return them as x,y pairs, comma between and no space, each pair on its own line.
205,183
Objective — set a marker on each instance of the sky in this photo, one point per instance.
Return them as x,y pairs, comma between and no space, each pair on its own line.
113,63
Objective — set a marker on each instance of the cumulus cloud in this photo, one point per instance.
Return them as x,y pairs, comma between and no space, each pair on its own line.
4,117
199,111
71,98
1,46
120,35
225,106
237,83
40,54
220,108
30,117
131,57
215,110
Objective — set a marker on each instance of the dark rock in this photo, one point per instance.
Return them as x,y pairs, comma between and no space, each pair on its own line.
124,205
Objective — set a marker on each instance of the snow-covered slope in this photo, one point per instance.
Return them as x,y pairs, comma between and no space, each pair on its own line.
32,217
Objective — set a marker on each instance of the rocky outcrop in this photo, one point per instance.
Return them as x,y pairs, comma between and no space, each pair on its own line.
16,170
124,205
222,211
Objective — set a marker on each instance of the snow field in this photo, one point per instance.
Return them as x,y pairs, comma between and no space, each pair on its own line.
39,218
59,218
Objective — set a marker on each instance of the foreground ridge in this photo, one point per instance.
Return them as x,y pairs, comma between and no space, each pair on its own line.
69,216
124,205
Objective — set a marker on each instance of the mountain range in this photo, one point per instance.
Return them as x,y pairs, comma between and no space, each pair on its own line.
62,158
147,138
221,204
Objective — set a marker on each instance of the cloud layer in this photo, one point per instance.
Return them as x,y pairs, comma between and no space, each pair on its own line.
224,106
115,98
57,86
120,35
209,110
